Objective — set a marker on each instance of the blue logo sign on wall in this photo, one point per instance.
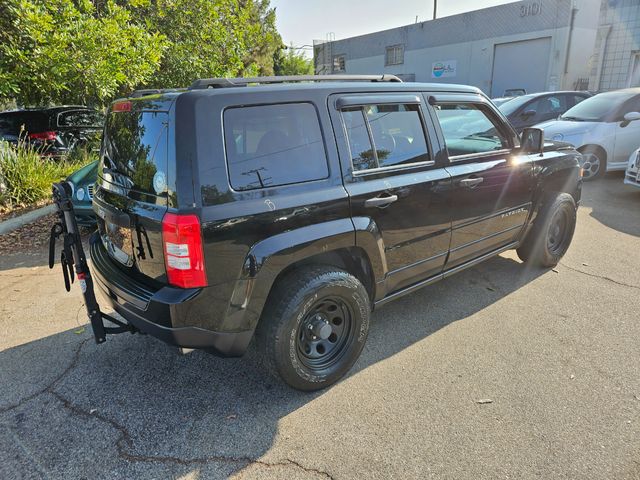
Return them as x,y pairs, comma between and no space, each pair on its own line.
443,69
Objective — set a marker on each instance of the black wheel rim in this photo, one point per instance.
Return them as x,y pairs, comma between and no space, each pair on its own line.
558,229
325,333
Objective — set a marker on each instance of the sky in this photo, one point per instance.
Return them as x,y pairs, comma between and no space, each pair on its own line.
302,21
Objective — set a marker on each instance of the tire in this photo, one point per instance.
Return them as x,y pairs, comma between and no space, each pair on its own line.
551,234
314,327
593,162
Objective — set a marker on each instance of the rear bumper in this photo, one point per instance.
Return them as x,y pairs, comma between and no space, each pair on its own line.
155,310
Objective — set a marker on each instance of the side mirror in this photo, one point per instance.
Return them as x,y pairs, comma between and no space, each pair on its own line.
630,117
532,141
528,113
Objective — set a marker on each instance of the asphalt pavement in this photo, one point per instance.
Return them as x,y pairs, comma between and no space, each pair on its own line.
500,372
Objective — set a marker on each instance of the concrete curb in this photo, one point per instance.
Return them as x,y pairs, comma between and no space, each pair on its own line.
17,222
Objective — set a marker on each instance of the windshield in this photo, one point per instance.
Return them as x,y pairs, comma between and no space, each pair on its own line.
598,108
515,103
499,101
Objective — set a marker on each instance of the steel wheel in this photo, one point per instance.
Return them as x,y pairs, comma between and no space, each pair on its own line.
325,333
591,165
558,228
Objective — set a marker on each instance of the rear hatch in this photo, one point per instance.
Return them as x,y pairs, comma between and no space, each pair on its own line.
32,125
136,179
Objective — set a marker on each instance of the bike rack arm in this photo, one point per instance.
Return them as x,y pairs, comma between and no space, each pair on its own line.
73,256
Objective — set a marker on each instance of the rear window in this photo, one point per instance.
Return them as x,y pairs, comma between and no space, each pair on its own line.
33,122
274,145
80,118
135,150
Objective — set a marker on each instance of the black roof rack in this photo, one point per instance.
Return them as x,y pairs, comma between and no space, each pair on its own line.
243,82
152,91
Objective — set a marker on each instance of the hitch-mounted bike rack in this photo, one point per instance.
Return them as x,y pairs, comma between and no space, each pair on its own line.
73,255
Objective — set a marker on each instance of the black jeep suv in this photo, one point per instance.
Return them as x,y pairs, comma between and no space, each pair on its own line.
289,208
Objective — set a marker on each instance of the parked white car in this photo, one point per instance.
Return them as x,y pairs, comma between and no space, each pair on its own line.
632,176
604,128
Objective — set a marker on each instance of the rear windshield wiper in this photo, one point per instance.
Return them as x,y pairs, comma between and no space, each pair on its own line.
573,119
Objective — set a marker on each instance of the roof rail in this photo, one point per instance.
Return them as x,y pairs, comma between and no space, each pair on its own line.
151,91
243,82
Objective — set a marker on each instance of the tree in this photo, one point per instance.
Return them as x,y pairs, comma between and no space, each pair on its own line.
211,38
90,51
263,38
64,51
292,62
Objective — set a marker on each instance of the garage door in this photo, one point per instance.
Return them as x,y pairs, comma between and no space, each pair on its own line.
520,65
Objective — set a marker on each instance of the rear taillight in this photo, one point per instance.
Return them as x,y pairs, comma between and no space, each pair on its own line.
121,106
183,254
43,136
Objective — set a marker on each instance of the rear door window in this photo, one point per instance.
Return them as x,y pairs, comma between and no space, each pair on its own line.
547,108
274,145
385,135
135,151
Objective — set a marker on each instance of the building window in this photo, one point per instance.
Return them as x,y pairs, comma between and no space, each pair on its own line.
634,77
395,55
339,63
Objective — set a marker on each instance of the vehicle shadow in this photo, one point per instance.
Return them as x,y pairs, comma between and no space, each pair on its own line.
36,255
175,415
609,198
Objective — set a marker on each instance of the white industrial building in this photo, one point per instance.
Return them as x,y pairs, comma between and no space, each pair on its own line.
536,45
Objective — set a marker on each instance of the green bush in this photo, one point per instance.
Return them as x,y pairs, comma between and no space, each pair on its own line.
26,176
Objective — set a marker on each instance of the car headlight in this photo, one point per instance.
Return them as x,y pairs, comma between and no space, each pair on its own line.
80,194
558,137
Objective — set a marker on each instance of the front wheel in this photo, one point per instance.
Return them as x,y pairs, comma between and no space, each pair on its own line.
314,327
593,163
550,237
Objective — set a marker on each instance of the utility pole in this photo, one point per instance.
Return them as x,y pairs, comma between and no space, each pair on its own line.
435,8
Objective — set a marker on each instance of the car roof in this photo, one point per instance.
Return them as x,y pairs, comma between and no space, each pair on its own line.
58,108
364,86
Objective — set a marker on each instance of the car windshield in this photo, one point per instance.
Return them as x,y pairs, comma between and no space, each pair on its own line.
514,104
499,101
598,108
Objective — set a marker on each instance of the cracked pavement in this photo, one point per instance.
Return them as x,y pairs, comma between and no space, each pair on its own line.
555,352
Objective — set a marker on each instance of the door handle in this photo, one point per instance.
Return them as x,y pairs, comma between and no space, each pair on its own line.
381,202
471,182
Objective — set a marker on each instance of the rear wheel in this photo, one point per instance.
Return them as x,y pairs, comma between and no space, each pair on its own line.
314,327
593,163
550,237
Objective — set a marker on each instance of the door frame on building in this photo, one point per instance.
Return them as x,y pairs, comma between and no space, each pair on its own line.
634,70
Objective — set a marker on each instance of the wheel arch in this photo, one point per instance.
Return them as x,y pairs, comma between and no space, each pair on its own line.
561,175
330,243
594,147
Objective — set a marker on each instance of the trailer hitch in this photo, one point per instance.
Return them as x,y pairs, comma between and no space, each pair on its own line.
72,255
